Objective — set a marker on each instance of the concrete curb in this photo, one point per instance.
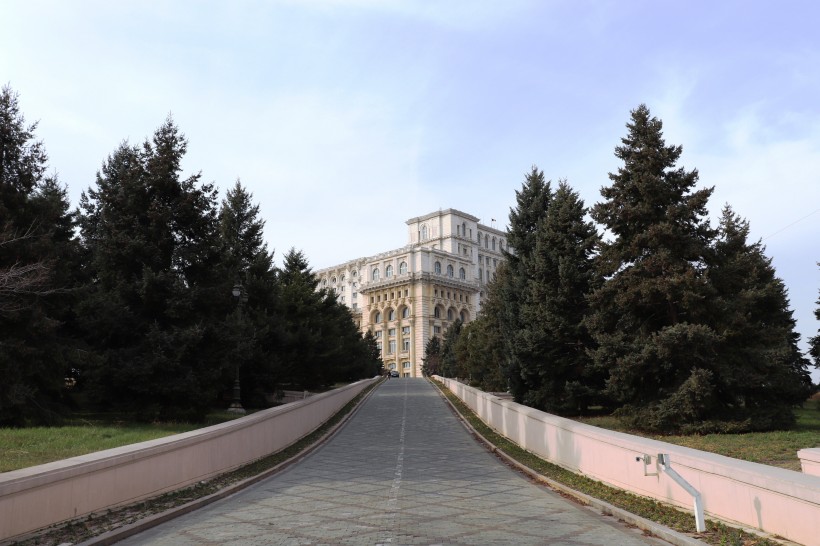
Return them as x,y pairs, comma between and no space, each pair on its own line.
121,533
656,529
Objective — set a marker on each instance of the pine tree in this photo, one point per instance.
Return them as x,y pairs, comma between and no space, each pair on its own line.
39,268
650,318
556,370
156,306
759,374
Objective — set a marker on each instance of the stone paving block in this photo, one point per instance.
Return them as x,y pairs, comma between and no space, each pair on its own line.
402,471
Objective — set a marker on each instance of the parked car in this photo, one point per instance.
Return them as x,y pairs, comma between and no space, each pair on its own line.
394,373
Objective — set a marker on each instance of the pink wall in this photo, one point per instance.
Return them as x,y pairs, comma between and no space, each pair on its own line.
39,496
774,500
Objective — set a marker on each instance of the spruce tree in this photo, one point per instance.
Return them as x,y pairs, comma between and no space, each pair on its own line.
256,328
532,202
814,342
39,268
157,301
557,370
650,318
304,344
449,358
432,357
759,374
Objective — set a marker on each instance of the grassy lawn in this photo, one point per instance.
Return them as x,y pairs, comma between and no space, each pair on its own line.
24,447
777,448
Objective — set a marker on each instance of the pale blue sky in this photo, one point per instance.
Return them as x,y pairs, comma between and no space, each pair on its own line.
347,117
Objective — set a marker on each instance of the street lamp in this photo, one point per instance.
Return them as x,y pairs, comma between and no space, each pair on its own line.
238,292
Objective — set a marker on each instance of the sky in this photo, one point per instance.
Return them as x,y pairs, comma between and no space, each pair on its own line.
345,118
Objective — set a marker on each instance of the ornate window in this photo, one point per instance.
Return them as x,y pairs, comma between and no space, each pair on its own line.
424,233
437,268
376,274
450,271
493,243
405,313
462,274
391,315
402,268
377,318
333,280
463,316
449,314
388,271
437,312
486,241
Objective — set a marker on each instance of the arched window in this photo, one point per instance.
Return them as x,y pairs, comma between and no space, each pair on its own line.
391,315
375,273
437,312
486,241
449,314
479,237
333,280
402,268
463,229
405,313
324,282
450,271
493,243
462,274
388,271
378,318
354,273
501,244
343,278
438,268
424,233
480,274
463,316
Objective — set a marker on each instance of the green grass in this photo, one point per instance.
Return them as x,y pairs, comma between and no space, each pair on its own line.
777,448
24,447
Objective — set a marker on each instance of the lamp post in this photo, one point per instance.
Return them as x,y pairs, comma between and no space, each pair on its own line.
238,292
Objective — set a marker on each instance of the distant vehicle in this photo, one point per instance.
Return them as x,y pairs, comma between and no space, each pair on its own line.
394,373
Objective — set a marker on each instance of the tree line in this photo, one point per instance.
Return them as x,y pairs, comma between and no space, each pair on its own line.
671,323
125,304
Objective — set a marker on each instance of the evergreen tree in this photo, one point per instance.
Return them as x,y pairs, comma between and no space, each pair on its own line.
814,342
479,354
39,264
432,357
449,358
257,327
487,357
157,300
759,374
305,345
553,339
650,318
532,203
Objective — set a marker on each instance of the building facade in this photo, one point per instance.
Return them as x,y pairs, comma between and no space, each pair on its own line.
409,295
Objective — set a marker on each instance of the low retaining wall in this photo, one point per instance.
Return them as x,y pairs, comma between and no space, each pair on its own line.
774,500
39,496
810,461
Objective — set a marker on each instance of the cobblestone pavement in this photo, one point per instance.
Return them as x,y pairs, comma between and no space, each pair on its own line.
403,470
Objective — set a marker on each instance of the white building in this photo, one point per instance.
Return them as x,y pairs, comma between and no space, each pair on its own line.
408,295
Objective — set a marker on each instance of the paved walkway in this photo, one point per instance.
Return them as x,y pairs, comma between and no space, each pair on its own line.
403,470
